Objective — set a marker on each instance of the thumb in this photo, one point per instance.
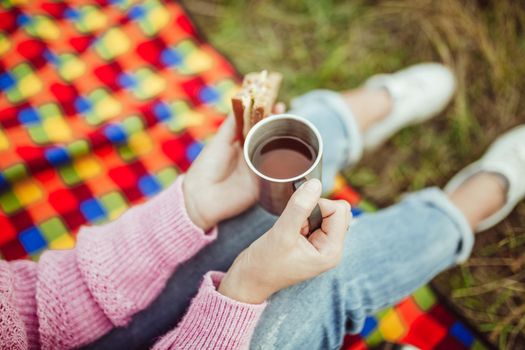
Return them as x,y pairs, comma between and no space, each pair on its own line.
299,207
227,130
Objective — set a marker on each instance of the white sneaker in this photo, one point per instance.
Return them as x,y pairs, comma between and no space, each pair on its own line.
418,93
506,157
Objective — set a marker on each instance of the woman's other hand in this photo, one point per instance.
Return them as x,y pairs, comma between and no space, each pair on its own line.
285,255
219,183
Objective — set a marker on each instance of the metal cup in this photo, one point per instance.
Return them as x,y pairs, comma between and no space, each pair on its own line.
275,193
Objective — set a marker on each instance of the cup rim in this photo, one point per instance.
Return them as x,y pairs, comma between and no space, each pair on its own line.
268,120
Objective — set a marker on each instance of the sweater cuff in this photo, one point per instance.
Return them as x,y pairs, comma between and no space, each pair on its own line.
214,321
173,216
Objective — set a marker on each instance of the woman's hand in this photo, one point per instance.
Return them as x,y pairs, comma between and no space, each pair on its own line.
284,256
219,183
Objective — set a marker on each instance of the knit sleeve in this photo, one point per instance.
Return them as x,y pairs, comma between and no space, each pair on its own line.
115,271
213,321
18,322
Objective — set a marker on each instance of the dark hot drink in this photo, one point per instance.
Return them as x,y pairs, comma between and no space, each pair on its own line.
283,157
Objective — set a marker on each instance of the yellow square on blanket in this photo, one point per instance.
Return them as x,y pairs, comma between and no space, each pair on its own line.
112,44
90,19
42,27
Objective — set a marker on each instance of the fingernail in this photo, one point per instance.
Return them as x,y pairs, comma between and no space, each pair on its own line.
312,185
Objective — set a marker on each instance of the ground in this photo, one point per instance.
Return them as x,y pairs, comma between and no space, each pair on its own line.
338,44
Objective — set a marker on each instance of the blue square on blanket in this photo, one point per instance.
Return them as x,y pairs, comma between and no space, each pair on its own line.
92,210
356,212
369,326
170,57
3,182
148,185
28,116
208,95
32,240
193,150
115,133
162,111
82,104
460,332
57,155
6,81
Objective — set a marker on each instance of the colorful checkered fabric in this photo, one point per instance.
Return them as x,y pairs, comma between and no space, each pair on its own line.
102,104
419,320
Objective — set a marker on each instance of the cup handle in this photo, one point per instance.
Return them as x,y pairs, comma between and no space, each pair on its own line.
316,218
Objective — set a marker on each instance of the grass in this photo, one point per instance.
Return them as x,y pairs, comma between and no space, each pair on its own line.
338,44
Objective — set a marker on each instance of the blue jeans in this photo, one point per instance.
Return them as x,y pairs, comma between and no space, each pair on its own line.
388,255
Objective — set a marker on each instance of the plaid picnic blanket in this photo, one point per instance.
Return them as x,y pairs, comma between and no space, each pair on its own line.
102,104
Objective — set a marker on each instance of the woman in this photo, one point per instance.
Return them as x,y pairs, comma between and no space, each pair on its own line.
120,268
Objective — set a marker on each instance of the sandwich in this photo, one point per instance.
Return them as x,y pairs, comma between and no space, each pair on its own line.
255,100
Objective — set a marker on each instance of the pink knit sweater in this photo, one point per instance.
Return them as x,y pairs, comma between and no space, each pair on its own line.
72,297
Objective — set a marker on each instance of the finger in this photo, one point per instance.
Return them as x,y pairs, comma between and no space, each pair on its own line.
217,155
227,130
336,217
349,217
319,240
279,108
305,229
227,161
219,150
245,175
299,207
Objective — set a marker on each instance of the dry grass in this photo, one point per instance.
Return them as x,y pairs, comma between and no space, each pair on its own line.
336,44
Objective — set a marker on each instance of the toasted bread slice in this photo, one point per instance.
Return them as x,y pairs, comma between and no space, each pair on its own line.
255,100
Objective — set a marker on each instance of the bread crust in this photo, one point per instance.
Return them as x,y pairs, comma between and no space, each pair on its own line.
255,100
